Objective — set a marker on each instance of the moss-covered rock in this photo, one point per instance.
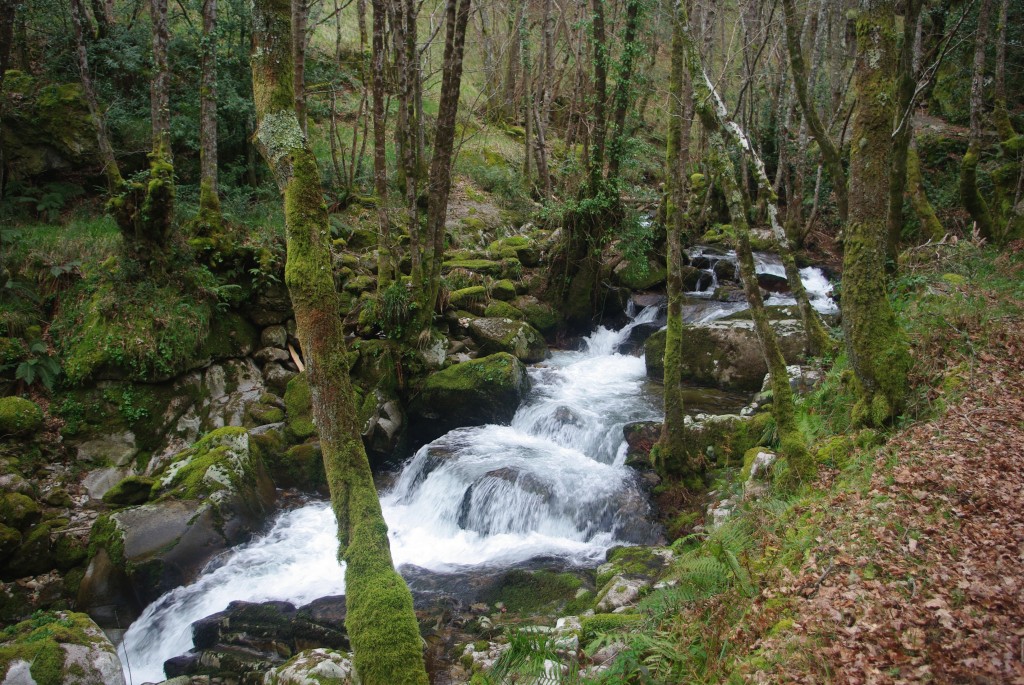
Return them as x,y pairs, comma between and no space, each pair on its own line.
466,298
12,351
10,540
325,666
649,563
298,403
503,310
518,338
486,267
19,417
61,648
538,314
726,354
18,511
476,392
131,490
528,592
504,290
640,276
519,246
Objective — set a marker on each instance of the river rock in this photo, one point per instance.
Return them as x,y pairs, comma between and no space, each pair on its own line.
726,353
313,666
117,448
270,305
473,393
518,338
620,592
64,647
274,336
98,481
212,496
384,430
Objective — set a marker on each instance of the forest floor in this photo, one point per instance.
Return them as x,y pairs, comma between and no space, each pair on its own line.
918,576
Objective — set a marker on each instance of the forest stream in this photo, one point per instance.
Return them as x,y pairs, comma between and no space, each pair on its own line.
552,485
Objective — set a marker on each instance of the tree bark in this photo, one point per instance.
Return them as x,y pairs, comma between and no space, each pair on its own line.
440,182
300,17
386,271
381,623
973,200
624,90
876,346
600,86
672,447
209,200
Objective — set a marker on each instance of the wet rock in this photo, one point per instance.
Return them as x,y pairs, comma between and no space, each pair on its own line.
313,666
641,436
74,651
620,592
266,355
773,283
274,336
517,338
726,354
384,430
473,393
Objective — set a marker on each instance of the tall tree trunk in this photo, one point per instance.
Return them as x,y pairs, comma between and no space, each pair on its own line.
386,269
672,448
600,123
156,213
930,224
624,90
106,150
903,132
300,17
973,200
440,183
829,150
999,115
381,623
209,201
878,351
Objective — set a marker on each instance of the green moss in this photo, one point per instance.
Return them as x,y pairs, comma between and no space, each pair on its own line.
18,511
131,490
12,351
496,369
630,561
189,477
302,467
503,290
298,404
231,336
486,267
528,592
10,540
592,626
19,417
107,535
835,451
503,310
467,297
38,642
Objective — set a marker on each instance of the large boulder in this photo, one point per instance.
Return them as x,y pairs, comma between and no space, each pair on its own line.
726,353
518,338
212,496
473,393
313,666
62,647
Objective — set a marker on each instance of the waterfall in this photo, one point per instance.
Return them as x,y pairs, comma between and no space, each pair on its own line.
552,483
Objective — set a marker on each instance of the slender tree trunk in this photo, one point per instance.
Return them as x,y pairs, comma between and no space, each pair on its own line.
599,125
877,348
209,200
160,88
386,270
930,224
440,183
672,449
973,200
624,90
999,114
300,18
106,150
829,150
381,623
906,82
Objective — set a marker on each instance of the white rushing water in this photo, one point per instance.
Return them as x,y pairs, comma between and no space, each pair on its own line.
817,285
550,484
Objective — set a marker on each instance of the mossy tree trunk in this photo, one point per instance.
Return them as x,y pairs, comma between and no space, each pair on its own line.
903,126
829,150
381,623
930,224
209,219
623,100
877,348
672,447
973,200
